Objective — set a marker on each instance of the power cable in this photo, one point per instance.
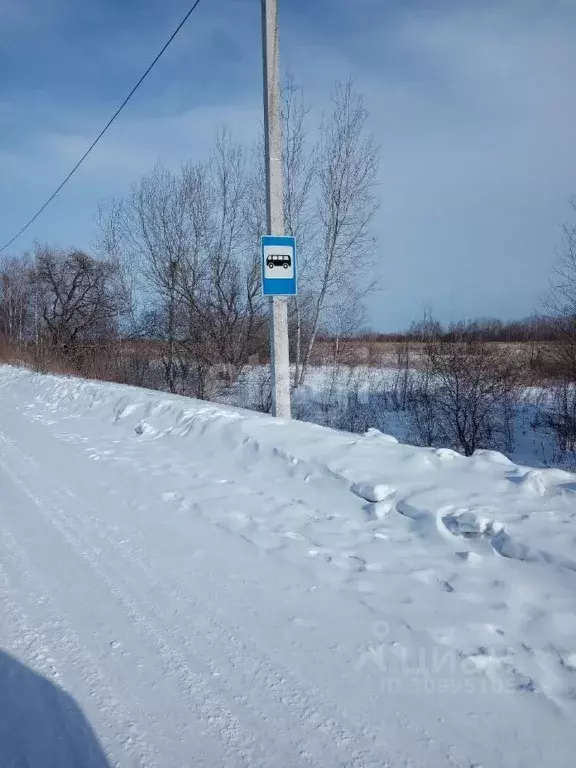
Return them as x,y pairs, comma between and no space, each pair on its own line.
103,131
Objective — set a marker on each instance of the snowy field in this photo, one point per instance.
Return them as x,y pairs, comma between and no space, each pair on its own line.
359,397
189,584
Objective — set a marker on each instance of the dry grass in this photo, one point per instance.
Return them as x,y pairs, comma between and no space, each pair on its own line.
109,361
387,354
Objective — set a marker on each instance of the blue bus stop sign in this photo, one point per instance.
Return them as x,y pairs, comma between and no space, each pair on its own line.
279,266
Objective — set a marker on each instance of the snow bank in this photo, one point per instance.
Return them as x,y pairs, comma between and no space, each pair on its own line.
374,467
475,554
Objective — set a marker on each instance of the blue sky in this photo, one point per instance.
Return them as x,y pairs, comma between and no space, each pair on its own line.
472,102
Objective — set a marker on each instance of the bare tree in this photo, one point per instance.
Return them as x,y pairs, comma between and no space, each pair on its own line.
222,302
299,169
561,353
329,203
16,299
163,234
80,298
234,305
403,384
111,246
344,250
465,395
199,267
153,231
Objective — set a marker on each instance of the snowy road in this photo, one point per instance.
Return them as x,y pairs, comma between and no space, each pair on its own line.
134,577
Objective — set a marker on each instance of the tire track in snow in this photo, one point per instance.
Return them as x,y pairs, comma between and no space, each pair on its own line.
241,746
53,648
286,696
286,702
286,688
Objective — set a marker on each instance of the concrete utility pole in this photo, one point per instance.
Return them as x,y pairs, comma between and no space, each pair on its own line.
275,203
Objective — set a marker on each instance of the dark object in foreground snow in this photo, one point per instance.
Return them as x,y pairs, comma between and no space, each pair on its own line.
41,726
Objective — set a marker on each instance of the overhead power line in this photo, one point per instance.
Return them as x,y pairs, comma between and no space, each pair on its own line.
103,131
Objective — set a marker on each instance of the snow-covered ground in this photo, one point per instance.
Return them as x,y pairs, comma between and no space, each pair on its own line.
361,396
187,584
